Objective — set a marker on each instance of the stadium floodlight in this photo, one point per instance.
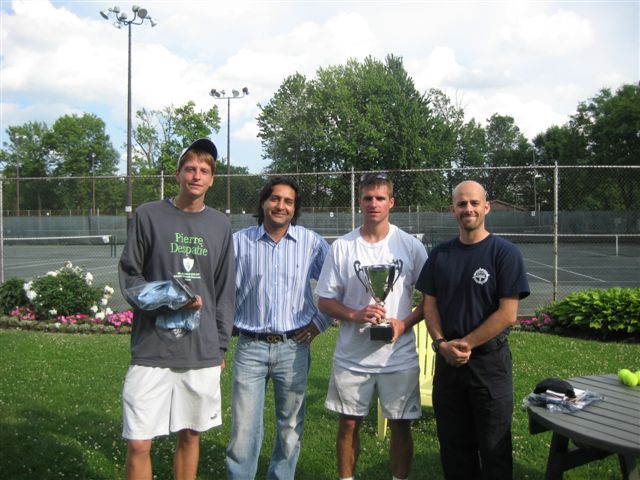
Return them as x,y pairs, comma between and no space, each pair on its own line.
139,16
220,95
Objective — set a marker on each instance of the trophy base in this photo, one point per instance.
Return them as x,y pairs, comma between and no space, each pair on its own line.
382,333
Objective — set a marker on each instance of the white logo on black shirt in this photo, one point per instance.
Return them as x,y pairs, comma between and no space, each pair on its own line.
187,262
480,276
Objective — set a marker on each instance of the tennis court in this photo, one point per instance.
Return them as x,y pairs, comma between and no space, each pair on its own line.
99,258
581,265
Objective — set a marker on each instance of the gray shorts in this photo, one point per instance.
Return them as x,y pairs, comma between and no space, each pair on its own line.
351,393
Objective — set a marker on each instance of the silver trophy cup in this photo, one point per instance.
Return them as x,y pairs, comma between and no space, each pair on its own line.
378,281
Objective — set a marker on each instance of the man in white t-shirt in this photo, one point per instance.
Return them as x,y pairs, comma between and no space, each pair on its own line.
363,367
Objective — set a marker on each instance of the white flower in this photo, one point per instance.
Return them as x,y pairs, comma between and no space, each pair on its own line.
100,315
52,273
53,312
27,286
108,290
108,311
31,295
68,264
88,278
104,302
94,309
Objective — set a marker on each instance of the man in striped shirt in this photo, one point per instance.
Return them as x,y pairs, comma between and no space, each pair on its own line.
276,320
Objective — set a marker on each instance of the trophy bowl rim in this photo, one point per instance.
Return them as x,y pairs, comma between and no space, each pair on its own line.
380,266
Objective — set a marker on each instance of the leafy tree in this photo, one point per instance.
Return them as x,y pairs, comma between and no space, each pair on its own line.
365,116
566,146
603,131
161,135
447,148
611,123
25,155
286,128
79,146
506,147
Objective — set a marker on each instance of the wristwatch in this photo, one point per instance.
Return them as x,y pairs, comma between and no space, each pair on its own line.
435,345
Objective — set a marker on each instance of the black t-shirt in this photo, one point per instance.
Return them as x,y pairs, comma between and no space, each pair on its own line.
468,281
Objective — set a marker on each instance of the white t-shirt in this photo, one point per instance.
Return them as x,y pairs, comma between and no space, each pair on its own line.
354,349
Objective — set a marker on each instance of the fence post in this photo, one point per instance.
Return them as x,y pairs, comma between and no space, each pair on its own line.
353,200
555,231
162,185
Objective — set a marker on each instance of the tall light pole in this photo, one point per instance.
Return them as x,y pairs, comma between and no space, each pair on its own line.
220,95
139,16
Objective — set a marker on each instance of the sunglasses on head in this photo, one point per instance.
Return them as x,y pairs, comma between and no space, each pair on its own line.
373,176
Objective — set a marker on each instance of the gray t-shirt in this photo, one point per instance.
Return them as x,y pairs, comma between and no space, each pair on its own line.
164,242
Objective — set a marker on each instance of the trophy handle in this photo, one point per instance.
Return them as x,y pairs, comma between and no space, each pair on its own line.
359,269
396,273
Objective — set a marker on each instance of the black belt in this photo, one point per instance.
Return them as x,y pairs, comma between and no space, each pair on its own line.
492,345
270,337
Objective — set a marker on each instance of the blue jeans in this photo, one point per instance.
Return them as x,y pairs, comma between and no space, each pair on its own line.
255,362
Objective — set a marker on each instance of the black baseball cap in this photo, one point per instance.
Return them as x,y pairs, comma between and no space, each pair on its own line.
203,144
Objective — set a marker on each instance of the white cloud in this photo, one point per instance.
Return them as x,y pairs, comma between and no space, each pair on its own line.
556,34
612,80
440,65
248,131
531,116
441,69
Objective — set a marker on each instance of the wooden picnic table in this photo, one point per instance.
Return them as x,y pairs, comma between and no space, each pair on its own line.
606,427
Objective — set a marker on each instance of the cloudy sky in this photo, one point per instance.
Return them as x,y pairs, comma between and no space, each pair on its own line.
533,60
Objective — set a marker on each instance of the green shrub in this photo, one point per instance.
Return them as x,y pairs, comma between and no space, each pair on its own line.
616,310
84,328
12,295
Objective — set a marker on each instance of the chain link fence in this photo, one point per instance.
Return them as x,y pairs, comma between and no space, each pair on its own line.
577,227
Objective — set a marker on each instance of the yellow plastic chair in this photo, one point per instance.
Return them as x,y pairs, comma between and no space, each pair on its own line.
427,362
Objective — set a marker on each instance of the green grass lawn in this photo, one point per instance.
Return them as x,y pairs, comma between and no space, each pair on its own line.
60,413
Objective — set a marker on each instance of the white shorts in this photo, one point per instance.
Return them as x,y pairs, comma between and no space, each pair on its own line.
157,401
351,393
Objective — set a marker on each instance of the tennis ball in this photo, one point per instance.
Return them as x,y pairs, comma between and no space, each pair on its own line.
627,377
623,373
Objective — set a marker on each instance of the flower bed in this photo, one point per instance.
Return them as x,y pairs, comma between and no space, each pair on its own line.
612,314
63,300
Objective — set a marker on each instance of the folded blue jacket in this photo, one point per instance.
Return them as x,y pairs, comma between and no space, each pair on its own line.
165,293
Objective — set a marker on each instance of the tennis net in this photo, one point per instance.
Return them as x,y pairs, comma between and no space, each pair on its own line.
64,246
597,244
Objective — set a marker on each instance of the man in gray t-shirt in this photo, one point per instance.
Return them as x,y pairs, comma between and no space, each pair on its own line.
173,382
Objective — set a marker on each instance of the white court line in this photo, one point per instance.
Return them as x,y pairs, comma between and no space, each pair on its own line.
593,254
44,264
568,271
539,278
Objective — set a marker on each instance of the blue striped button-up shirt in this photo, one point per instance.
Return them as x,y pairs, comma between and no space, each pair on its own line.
273,280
